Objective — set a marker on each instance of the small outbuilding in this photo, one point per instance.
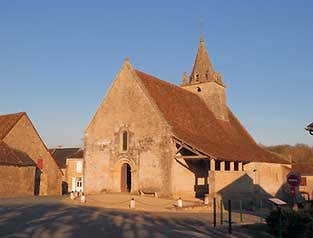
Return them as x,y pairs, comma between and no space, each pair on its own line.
23,148
306,184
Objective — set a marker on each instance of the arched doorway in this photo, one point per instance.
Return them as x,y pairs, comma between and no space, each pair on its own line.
126,178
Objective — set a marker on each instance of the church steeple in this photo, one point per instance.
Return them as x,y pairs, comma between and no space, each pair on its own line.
203,71
207,84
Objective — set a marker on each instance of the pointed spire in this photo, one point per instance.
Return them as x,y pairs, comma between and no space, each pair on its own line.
203,70
127,63
185,79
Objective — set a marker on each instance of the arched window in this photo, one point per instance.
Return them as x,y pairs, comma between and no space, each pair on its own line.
124,141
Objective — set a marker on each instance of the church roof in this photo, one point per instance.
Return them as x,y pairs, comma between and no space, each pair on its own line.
192,122
9,156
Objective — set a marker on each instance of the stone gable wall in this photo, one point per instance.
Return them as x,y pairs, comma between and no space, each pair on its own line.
23,137
127,107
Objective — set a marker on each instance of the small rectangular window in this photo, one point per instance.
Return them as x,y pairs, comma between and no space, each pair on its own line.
125,144
79,166
303,181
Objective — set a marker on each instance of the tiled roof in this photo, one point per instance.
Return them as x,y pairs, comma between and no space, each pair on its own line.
78,155
9,156
7,122
303,169
192,122
61,154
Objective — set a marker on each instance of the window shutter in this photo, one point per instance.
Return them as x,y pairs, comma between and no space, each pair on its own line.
40,164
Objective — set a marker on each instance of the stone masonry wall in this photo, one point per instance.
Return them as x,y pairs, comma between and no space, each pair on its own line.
214,96
17,181
23,137
127,107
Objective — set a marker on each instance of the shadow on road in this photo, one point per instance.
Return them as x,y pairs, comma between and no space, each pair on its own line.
61,220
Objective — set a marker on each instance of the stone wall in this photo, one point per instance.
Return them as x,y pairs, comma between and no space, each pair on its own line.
183,179
17,181
23,137
213,95
270,177
127,107
258,180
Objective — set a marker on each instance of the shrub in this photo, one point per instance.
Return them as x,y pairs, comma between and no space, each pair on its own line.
291,223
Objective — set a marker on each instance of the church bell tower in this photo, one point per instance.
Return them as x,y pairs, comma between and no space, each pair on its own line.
206,83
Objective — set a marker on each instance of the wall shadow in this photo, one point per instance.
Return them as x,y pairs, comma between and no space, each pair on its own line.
243,189
44,218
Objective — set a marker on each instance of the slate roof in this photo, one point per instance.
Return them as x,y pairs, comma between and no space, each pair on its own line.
192,122
61,154
9,156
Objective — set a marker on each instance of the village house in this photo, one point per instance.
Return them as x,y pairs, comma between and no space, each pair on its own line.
306,184
179,141
27,167
70,160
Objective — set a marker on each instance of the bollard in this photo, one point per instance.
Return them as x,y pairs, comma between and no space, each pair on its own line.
206,199
72,196
132,203
82,198
221,208
179,202
214,212
240,205
229,217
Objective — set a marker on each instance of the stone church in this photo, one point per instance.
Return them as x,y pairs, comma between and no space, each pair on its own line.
152,136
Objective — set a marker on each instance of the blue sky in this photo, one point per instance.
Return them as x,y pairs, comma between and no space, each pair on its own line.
58,58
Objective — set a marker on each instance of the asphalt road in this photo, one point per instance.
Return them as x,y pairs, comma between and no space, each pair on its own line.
51,217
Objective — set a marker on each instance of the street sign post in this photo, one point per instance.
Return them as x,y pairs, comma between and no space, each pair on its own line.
294,180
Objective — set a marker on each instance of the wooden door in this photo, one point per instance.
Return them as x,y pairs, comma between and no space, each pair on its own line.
124,178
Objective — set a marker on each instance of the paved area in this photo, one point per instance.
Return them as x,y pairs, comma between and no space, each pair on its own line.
59,217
